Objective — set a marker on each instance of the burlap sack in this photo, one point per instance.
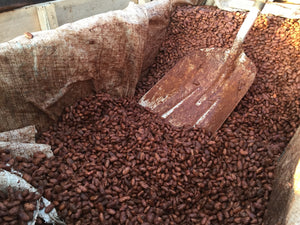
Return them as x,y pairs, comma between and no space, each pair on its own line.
102,53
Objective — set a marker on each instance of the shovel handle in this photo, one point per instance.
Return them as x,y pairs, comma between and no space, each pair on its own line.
260,4
247,24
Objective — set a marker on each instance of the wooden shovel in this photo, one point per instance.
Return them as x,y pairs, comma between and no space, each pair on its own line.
203,88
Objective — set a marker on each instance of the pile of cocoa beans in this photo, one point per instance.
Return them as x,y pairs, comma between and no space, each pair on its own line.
116,163
17,207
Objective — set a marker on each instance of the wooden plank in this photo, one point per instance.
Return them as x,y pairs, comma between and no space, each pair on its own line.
293,216
72,10
278,9
15,23
6,5
51,15
47,16
284,205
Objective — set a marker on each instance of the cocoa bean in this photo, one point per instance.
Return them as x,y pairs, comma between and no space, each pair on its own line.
49,208
115,162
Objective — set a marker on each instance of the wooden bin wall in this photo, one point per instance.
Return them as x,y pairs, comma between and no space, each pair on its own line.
50,15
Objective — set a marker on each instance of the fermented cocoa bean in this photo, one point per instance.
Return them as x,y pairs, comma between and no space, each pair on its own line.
115,162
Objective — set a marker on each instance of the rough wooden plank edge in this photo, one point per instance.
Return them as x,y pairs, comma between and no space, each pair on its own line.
284,199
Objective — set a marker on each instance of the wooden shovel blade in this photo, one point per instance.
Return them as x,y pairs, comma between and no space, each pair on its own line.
198,91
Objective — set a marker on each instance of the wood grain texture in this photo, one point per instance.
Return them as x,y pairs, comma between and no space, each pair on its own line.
52,14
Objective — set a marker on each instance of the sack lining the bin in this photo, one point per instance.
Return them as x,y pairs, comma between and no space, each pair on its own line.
102,53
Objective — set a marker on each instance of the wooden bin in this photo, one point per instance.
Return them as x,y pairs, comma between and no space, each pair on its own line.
284,203
50,15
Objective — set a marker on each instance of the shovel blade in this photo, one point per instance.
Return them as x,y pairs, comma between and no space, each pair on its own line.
198,91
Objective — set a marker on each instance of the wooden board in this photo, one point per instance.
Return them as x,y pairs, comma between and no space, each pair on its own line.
284,205
287,10
68,11
16,22
6,5
50,15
